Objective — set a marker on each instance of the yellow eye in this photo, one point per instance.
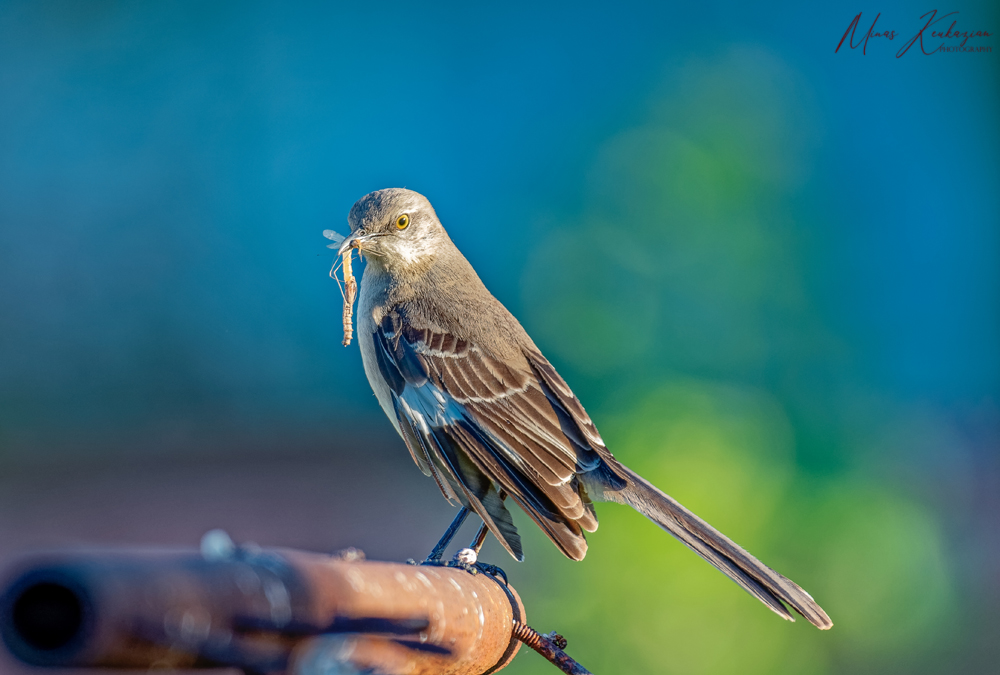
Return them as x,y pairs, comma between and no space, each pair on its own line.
402,222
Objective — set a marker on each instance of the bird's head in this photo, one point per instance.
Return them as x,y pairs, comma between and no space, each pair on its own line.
396,228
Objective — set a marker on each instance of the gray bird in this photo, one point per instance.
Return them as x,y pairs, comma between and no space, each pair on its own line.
485,414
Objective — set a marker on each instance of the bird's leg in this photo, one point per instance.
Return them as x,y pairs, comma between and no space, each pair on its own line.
476,546
477,543
449,534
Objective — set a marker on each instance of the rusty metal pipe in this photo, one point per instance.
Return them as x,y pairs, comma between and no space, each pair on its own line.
265,611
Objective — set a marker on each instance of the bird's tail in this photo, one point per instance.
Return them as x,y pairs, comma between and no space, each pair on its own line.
754,576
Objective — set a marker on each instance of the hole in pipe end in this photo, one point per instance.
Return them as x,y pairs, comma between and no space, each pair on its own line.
44,618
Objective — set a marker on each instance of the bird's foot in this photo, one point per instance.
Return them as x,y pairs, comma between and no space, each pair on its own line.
468,559
493,571
465,559
431,562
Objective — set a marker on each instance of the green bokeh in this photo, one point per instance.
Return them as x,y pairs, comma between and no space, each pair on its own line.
682,284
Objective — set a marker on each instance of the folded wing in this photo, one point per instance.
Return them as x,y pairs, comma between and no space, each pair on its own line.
472,420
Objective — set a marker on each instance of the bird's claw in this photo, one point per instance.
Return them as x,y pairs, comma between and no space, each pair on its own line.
471,569
493,571
466,559
478,567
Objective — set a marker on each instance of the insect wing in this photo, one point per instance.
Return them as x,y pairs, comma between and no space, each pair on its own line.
335,237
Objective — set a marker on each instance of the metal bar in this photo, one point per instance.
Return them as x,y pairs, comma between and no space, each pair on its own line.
265,611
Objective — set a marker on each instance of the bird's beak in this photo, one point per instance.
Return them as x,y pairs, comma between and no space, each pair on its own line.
353,240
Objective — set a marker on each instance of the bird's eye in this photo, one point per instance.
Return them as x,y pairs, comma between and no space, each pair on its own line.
402,222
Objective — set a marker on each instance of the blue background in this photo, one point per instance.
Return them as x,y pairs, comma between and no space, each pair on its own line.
770,271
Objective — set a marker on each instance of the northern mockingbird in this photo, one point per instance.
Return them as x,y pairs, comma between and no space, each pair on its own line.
485,414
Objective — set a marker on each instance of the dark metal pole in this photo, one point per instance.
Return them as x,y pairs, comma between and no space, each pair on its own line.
265,611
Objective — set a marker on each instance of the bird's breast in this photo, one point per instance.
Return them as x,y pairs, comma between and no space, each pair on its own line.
371,300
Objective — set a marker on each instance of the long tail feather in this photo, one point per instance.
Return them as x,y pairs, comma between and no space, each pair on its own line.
754,576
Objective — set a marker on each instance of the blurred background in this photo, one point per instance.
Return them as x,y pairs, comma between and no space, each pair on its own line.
770,271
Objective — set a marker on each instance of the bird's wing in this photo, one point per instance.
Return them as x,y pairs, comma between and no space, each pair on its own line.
575,421
467,413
